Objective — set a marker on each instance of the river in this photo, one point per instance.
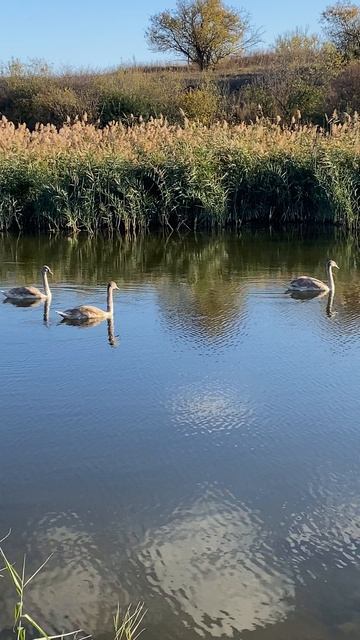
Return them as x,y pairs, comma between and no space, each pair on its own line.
201,452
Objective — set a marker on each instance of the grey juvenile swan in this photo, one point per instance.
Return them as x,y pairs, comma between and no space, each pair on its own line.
306,283
86,312
31,293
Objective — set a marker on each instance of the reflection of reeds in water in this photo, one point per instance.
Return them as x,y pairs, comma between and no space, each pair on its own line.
214,270
193,256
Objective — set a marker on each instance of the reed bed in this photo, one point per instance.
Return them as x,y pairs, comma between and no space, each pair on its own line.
151,175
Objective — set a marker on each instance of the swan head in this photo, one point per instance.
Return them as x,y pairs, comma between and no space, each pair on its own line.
112,285
332,264
46,269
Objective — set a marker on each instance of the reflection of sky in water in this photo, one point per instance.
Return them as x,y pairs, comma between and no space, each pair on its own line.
213,564
72,580
70,590
218,565
328,535
210,409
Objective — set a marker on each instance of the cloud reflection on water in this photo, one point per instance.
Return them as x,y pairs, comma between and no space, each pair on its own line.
211,408
213,564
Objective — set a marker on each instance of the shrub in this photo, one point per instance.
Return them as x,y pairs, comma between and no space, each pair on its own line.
201,104
345,89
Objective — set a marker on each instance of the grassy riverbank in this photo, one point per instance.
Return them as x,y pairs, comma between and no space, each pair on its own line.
152,175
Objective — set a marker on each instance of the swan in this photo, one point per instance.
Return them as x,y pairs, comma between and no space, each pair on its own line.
86,312
31,294
306,283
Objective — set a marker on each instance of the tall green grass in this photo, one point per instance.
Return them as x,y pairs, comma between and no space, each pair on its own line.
156,175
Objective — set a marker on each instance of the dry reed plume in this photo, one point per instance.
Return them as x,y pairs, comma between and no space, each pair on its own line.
157,136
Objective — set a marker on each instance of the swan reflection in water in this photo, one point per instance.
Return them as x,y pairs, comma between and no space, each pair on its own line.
310,295
329,307
46,314
25,303
113,339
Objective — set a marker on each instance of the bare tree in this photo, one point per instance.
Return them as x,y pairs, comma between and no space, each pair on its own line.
202,31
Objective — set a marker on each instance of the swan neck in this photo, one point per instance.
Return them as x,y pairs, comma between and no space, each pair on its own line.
110,303
46,285
331,282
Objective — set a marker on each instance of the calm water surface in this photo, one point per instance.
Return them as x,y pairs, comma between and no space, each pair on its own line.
202,454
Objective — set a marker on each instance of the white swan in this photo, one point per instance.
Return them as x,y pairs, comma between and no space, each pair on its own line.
307,283
29,294
86,312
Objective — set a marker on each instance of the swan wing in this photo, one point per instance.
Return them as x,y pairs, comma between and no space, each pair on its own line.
92,312
306,283
24,292
85,312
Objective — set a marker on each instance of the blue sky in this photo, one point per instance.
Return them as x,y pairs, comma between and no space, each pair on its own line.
97,34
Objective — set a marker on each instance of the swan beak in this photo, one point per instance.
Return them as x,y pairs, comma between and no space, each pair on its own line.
336,266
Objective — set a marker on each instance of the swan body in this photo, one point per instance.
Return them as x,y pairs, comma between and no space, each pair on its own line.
87,313
28,294
307,283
